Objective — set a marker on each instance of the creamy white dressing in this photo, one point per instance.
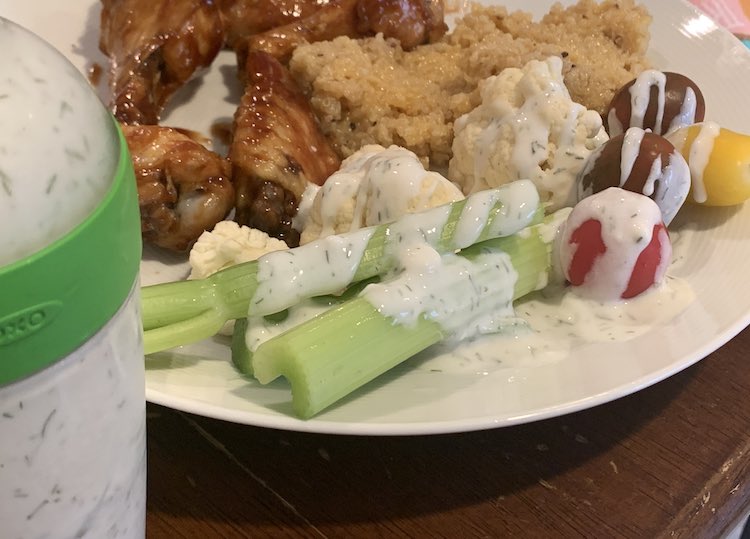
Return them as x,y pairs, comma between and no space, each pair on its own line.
73,444
627,225
465,297
375,185
542,328
688,109
699,156
640,98
552,322
304,208
527,127
631,148
614,124
519,202
674,178
328,265
260,329
325,266
674,185
46,103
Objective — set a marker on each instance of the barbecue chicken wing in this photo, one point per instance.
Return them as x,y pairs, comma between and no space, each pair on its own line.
412,22
243,18
277,149
154,47
183,188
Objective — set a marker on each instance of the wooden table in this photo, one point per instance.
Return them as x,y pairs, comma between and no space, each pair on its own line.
670,461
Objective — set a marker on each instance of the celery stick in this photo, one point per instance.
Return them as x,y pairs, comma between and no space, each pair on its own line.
188,311
241,355
280,322
226,292
337,352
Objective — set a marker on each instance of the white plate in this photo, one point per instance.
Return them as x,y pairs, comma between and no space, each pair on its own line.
413,400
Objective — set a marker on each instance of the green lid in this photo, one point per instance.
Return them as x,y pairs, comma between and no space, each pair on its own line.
54,300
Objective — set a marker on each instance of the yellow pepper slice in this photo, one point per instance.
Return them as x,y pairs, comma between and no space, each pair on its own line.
719,161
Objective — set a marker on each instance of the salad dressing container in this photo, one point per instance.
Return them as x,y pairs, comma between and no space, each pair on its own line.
72,391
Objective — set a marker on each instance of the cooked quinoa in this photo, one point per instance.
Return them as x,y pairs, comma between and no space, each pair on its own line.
370,91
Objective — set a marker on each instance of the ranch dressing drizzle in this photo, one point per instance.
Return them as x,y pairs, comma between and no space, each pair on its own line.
520,201
375,185
640,96
700,153
631,147
614,123
320,267
260,329
328,265
464,297
553,322
687,112
299,221
674,179
334,194
541,134
626,219
562,314
395,179
532,127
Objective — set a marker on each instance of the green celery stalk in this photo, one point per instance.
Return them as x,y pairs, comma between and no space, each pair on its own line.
241,356
337,352
188,311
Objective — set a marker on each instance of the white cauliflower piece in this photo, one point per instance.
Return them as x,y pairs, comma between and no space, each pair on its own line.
526,127
374,185
229,244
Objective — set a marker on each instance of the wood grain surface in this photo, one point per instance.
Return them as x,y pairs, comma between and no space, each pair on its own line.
670,461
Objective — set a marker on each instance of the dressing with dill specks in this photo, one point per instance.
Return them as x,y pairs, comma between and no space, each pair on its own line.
44,105
72,393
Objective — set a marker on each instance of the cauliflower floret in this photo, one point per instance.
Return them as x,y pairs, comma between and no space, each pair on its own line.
229,244
374,185
526,127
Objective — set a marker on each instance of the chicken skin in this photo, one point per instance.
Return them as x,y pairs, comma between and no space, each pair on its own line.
277,149
183,188
155,47
412,22
243,18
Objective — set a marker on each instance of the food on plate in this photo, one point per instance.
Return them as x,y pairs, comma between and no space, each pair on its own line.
429,298
526,126
154,48
719,161
656,100
188,311
335,18
614,245
371,91
411,22
642,162
229,244
243,18
277,149
390,251
375,185
183,188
